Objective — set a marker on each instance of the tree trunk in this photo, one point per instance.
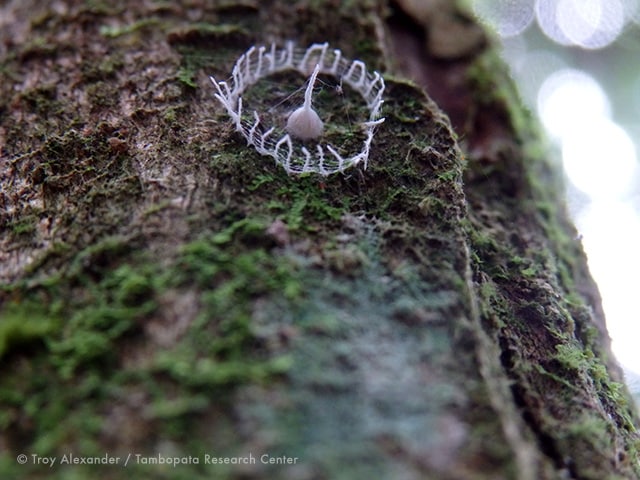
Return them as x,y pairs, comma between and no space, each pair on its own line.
170,295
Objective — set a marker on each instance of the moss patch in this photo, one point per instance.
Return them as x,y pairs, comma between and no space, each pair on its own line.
78,346
553,347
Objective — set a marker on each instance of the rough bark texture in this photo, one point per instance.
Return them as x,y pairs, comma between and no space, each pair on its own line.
168,293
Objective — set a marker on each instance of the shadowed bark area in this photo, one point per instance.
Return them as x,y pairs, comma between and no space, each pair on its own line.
169,295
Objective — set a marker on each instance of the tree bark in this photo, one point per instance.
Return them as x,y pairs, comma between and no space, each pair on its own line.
170,295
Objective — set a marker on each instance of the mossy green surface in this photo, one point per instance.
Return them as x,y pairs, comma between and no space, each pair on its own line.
68,354
555,348
176,294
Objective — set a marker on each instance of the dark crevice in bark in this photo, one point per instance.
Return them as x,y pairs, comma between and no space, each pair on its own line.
444,79
546,442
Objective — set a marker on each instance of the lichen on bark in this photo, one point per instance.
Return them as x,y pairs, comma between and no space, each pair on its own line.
166,291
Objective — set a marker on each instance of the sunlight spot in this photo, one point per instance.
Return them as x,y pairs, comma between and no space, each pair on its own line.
600,159
546,15
508,17
611,231
568,99
531,69
590,24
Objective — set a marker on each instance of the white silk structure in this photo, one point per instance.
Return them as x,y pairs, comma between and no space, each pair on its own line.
293,155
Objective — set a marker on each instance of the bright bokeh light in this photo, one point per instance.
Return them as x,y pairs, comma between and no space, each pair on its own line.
568,100
599,156
547,16
600,159
590,24
508,17
530,68
610,231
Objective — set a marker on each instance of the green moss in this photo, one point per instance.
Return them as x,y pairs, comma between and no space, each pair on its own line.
236,276
303,203
193,43
41,99
491,85
239,310
187,76
574,357
106,68
106,312
39,46
101,95
102,7
582,360
26,225
202,33
189,370
25,322
117,31
106,299
79,340
77,173
549,344
164,408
